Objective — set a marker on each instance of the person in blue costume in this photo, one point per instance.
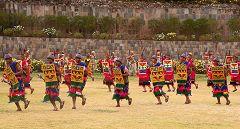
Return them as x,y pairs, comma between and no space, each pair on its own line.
76,88
121,91
16,91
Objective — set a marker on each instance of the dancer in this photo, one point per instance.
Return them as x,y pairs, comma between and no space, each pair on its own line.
13,75
234,73
157,78
24,63
220,87
52,79
169,73
144,74
122,83
67,70
193,69
78,80
107,66
184,78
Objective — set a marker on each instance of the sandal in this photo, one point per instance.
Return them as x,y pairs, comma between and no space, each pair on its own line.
32,90
228,102
166,99
129,101
84,101
62,104
55,109
26,105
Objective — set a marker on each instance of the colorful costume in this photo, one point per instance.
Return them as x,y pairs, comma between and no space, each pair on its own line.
157,75
67,72
27,72
183,79
220,87
169,73
78,79
143,74
121,90
209,75
235,74
107,72
51,82
16,91
193,70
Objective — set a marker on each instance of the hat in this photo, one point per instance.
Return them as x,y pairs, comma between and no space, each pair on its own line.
118,59
183,55
7,56
216,59
154,57
190,54
51,56
78,56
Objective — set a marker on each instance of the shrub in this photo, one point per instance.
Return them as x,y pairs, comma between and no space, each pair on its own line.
78,35
50,32
217,37
135,24
171,36
181,37
164,25
234,24
206,37
200,68
104,36
8,32
106,24
38,34
119,36
187,27
18,29
96,34
159,37
36,64
84,24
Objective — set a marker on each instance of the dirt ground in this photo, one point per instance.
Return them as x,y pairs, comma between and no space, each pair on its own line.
100,111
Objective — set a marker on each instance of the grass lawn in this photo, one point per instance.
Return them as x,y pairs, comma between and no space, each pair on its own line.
100,111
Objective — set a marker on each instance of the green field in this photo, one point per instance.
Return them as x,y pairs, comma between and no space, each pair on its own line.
100,111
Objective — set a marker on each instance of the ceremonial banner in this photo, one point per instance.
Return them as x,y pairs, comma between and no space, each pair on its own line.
234,69
11,76
49,73
106,67
142,66
118,77
168,64
181,74
157,75
218,75
77,73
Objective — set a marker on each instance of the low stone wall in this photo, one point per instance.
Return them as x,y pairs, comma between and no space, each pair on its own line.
40,47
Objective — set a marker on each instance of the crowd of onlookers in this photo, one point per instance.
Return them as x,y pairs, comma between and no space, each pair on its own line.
115,4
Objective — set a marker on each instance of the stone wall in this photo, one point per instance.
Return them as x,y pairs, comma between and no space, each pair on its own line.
41,46
218,12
